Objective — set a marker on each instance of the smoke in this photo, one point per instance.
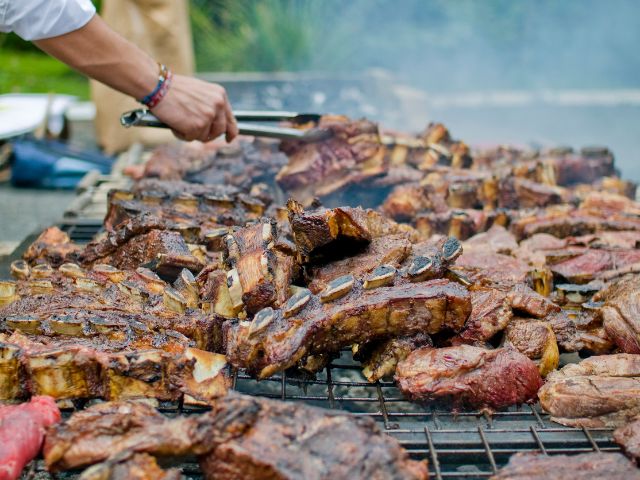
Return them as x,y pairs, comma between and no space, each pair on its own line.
492,44
542,72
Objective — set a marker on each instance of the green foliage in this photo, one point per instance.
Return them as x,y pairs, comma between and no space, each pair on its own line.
35,72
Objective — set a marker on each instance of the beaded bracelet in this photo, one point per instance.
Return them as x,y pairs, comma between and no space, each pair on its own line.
158,93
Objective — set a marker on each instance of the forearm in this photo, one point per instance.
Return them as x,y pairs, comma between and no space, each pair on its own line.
100,53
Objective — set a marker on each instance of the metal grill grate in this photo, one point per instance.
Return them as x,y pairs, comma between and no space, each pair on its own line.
81,231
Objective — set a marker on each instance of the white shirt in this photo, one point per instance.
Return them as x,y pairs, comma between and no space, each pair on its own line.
38,19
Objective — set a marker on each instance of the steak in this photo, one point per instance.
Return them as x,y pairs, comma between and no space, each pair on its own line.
22,430
620,313
497,239
469,377
628,437
344,314
585,466
601,391
242,437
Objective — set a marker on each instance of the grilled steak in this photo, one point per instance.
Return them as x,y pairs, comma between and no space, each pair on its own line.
620,313
628,437
601,391
497,239
585,466
352,154
344,314
492,268
139,466
536,340
466,376
22,430
242,437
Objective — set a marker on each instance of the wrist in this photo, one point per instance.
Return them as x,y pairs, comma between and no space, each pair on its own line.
155,96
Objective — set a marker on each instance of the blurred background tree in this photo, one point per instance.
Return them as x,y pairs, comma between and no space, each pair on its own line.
433,44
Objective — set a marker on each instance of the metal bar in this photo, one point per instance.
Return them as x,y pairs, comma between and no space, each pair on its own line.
434,455
538,440
331,398
487,448
283,384
593,443
538,417
383,408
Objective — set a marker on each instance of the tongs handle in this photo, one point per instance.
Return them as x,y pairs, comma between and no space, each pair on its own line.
143,118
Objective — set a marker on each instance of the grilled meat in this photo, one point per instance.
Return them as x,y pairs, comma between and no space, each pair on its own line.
380,359
53,246
22,429
620,313
586,466
601,391
581,331
83,369
497,239
165,252
536,340
345,313
139,466
467,376
389,250
628,437
494,306
352,154
242,437
261,271
318,233
492,268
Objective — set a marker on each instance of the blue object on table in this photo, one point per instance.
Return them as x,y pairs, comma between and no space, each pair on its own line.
53,164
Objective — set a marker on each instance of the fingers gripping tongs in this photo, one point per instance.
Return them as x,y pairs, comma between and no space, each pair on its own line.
143,118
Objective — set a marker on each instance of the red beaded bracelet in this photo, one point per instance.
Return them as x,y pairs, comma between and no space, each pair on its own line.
158,93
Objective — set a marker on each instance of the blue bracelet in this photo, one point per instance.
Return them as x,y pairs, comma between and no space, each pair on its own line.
162,77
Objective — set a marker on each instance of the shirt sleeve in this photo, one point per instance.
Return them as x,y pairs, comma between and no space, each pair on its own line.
38,19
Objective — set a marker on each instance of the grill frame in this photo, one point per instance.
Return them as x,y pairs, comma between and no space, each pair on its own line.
458,445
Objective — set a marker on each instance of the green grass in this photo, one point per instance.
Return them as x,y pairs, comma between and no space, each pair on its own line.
35,72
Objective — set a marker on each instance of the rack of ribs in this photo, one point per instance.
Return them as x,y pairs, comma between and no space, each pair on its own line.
241,437
467,376
68,368
601,391
347,312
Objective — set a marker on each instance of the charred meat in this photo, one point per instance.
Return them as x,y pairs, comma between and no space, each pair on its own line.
628,437
342,315
602,391
585,466
242,437
467,376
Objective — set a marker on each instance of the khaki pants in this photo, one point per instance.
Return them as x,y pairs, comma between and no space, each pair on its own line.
159,27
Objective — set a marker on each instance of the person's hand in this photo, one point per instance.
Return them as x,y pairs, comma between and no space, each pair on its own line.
196,110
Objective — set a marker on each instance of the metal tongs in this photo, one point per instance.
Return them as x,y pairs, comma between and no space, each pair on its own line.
141,117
